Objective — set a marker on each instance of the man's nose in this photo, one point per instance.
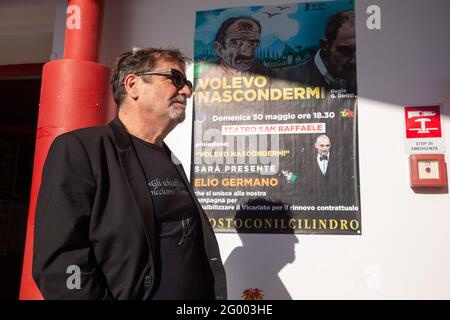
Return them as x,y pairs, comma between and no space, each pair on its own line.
186,91
352,61
247,49
352,58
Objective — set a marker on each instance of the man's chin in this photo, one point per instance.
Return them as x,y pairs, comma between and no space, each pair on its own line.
178,116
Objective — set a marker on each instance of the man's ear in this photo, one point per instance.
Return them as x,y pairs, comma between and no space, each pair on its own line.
131,86
218,47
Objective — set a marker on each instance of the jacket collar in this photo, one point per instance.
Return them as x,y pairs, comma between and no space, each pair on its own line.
121,134
123,138
137,182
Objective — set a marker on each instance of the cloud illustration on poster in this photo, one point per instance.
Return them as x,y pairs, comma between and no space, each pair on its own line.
282,27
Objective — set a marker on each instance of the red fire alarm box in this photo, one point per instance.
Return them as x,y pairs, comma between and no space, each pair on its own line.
427,170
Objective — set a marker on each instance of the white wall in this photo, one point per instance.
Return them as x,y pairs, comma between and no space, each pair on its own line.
402,253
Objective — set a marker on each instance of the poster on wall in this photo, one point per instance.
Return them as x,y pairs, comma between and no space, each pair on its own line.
275,118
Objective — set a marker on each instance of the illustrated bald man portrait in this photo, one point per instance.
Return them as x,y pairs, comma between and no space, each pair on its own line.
236,43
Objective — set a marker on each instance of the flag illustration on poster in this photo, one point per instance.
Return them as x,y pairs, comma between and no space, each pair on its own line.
275,118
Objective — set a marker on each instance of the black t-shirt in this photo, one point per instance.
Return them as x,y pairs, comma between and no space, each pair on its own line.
182,267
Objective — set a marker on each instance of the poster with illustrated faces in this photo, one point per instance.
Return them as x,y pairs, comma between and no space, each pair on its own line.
275,118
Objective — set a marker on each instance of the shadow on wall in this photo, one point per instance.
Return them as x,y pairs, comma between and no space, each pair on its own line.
253,268
119,35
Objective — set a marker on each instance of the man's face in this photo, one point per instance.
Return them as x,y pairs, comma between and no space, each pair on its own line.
241,43
323,146
162,98
341,57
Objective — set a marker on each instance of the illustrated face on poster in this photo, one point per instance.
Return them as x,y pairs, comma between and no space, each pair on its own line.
237,46
339,50
273,84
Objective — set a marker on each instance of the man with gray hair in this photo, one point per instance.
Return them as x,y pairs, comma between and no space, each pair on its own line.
328,174
323,145
114,206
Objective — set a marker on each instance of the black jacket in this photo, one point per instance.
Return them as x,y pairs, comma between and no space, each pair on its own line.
94,211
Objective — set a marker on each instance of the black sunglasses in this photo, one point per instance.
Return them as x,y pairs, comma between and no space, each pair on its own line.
178,79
